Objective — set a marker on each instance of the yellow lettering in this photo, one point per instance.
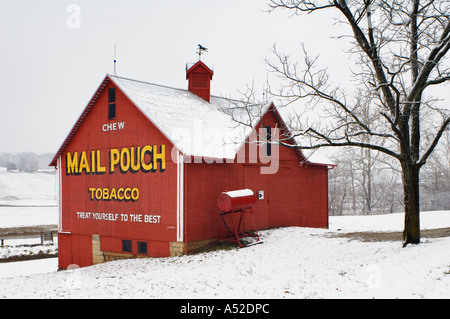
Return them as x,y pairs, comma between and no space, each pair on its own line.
119,192
113,159
146,167
127,191
72,163
135,194
92,190
159,157
84,165
100,169
124,160
112,195
146,159
135,158
105,194
93,161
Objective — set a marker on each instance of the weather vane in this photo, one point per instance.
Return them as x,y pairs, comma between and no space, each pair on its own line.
200,51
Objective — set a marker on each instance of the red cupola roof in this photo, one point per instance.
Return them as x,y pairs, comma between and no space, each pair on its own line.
199,78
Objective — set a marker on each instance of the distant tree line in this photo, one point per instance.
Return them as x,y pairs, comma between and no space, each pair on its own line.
368,182
25,162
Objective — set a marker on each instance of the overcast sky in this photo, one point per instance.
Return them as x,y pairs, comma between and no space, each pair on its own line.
54,54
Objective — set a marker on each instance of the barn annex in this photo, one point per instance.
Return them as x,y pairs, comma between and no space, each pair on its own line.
141,170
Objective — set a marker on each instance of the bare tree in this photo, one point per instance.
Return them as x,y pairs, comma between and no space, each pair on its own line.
400,46
363,183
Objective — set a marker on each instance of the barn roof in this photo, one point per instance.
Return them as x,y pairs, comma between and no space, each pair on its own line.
194,126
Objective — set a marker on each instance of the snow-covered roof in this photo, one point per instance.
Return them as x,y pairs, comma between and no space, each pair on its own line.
240,193
318,157
194,126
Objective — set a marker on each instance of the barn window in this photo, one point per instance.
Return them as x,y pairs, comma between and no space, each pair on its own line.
111,111
268,145
111,95
126,246
142,247
111,103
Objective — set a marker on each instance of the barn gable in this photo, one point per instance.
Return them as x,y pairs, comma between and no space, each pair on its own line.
83,115
272,118
196,127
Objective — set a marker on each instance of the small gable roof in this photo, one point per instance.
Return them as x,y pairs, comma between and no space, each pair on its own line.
199,65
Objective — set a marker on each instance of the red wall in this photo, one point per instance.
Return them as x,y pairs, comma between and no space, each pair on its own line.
157,189
296,195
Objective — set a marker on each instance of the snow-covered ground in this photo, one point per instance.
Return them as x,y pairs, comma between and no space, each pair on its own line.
26,200
27,189
28,216
291,263
27,268
387,223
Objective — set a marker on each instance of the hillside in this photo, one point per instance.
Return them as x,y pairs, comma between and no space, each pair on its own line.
27,189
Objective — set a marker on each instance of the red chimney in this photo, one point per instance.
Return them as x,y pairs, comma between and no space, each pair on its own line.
199,77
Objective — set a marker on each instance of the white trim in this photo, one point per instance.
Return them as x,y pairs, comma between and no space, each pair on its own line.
180,196
59,192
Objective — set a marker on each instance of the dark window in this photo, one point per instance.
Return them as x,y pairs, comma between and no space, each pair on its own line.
126,246
111,95
268,145
112,111
142,247
111,103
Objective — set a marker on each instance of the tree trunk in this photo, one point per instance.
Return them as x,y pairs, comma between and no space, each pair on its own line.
411,232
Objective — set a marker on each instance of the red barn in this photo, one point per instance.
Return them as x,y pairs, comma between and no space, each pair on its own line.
141,170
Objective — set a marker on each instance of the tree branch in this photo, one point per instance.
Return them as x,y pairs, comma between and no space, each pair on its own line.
435,56
437,81
370,51
435,142
303,6
330,143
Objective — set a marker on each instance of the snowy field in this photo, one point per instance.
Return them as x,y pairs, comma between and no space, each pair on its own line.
290,263
27,189
27,199
28,216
